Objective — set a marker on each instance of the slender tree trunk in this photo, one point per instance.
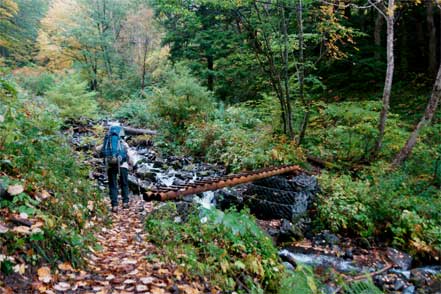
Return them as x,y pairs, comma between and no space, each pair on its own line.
286,76
431,29
301,75
144,58
379,21
389,75
426,118
210,78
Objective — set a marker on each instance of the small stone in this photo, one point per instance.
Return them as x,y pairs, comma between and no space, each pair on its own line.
409,290
401,259
399,284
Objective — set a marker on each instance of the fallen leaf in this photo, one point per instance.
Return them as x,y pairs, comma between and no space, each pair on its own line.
65,266
44,274
62,286
21,229
128,261
110,277
44,195
3,229
147,280
129,281
188,289
15,190
20,268
24,215
141,288
90,205
155,290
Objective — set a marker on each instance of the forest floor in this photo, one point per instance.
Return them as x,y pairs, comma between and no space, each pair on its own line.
121,265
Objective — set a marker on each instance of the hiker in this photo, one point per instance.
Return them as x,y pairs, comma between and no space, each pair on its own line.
115,152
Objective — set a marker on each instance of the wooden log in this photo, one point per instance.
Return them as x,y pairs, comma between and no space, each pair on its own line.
135,131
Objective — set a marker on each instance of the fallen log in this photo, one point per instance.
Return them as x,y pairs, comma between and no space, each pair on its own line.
136,131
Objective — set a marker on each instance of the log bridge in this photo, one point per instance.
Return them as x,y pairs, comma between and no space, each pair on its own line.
175,191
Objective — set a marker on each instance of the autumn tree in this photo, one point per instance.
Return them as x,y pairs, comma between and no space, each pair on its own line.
140,36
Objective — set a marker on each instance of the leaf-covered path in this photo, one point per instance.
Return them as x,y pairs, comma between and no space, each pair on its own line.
121,266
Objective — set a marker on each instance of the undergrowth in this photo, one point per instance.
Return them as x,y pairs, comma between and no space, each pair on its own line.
48,184
228,249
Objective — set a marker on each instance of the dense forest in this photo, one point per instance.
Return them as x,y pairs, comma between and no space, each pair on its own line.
344,92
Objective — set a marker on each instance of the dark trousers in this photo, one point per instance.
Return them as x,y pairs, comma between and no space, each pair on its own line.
112,174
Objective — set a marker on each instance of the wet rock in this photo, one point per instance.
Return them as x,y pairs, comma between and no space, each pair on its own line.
426,277
286,256
288,266
404,274
348,254
159,164
227,198
409,290
289,230
400,259
399,284
326,238
178,181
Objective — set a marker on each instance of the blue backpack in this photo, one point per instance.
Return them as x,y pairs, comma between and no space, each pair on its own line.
113,150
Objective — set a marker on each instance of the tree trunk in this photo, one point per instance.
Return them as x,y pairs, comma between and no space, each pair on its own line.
427,117
389,75
379,21
210,78
286,77
144,58
302,73
431,29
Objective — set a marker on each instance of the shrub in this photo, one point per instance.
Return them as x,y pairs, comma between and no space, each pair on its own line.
73,99
346,132
228,249
35,80
136,111
56,192
390,204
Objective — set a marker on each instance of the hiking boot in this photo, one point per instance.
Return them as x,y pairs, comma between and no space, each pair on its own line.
114,209
125,205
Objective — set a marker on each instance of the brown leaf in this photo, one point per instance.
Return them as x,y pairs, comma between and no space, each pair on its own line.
3,228
147,280
65,266
44,274
141,288
21,229
129,281
155,290
44,195
15,189
62,286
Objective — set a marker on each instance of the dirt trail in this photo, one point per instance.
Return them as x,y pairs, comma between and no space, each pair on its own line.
121,266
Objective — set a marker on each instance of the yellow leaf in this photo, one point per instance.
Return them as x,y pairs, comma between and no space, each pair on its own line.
44,274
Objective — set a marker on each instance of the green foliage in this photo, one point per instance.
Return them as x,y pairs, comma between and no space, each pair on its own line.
136,111
361,287
243,136
36,83
394,205
344,207
227,248
73,99
300,281
56,192
345,132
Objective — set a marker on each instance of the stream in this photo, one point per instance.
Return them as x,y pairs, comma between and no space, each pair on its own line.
329,254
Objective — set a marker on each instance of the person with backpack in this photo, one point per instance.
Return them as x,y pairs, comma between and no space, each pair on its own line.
115,152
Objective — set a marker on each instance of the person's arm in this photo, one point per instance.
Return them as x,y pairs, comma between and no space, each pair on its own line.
130,154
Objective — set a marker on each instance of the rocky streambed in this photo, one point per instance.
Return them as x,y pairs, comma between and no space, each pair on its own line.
282,205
